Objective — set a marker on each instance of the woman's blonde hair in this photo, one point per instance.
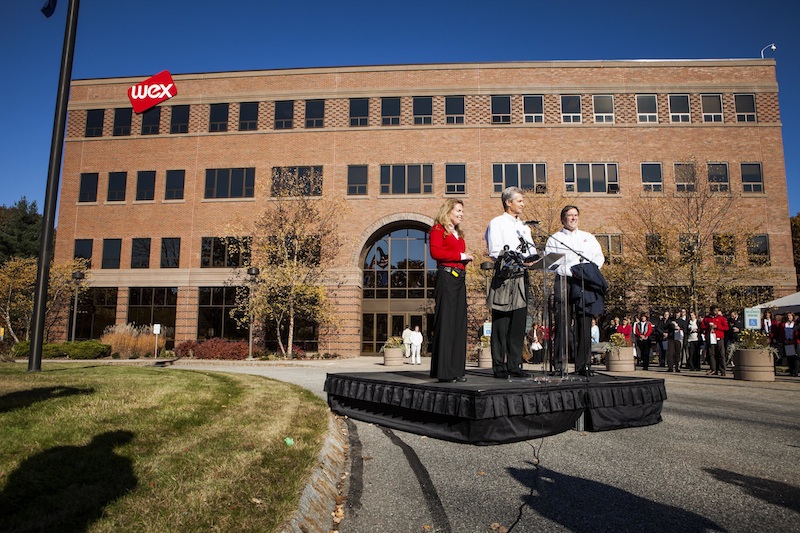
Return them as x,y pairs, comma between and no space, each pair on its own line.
443,217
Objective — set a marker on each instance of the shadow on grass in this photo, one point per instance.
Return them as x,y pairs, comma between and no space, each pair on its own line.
767,490
584,505
25,398
66,488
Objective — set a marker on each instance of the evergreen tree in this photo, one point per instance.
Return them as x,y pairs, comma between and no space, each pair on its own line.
20,229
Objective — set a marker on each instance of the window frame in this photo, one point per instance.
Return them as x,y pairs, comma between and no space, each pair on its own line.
94,122
390,178
123,117
718,185
455,178
315,119
247,185
687,186
711,115
87,188
389,115
454,118
649,185
176,127
142,192
83,249
284,115
498,115
721,243
354,185
646,117
603,117
151,121
112,251
297,171
424,104
572,186
117,186
752,186
140,252
536,116
218,117
355,119
248,121
571,118
512,174
170,252
606,241
680,117
745,115
169,184
754,256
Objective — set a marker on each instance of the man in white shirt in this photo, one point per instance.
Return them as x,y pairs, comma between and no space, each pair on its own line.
406,336
571,241
508,295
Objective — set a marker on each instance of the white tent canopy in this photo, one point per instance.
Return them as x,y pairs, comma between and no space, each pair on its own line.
783,305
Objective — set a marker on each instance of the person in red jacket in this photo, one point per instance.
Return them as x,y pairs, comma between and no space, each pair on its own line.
715,327
641,332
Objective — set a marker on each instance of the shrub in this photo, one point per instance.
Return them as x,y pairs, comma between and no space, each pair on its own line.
222,349
186,349
91,349
131,342
49,350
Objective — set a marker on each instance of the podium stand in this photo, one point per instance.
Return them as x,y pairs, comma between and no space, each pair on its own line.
547,265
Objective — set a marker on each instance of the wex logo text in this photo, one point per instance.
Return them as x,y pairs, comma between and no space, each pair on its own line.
152,91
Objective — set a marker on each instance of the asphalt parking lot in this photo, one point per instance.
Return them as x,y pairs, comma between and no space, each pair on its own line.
725,458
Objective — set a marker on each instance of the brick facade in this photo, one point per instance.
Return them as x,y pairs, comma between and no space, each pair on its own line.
477,143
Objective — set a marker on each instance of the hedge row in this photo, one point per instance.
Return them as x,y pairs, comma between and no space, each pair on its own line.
90,349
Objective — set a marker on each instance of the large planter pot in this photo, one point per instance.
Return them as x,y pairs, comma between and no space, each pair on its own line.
393,356
485,358
753,365
621,359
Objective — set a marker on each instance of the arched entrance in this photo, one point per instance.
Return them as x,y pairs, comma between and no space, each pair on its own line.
399,277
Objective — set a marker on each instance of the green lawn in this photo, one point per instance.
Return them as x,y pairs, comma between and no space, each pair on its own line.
87,447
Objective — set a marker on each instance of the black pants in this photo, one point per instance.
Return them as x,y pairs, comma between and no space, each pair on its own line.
580,331
449,357
693,362
508,335
644,352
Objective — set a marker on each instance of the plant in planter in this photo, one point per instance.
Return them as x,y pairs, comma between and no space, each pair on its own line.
393,351
753,357
485,352
621,356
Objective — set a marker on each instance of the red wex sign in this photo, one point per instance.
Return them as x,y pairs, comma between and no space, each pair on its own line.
152,91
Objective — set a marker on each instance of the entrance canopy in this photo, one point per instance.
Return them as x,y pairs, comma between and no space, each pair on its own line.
783,305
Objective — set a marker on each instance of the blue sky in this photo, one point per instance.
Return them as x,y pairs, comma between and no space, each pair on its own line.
143,37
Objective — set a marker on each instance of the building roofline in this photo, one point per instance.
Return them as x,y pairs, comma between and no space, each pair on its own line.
603,63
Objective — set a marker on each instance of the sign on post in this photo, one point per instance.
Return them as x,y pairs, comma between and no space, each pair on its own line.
752,318
156,332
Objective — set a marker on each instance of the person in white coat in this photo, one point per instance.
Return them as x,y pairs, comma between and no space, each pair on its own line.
416,346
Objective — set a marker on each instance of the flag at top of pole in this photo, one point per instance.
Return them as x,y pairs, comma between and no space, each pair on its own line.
49,8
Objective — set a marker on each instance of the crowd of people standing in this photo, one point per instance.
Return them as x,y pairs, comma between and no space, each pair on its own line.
685,341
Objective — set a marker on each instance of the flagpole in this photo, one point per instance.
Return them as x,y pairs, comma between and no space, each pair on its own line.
51,195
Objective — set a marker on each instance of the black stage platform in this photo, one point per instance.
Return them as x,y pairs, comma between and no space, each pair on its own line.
485,410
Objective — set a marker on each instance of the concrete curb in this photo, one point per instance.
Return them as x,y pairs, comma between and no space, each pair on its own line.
317,506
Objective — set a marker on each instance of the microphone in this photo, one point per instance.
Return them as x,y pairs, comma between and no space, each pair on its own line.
531,222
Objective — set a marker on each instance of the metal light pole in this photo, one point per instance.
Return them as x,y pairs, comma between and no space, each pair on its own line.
771,46
77,277
253,272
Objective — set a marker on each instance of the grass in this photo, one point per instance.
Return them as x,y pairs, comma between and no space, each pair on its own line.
118,448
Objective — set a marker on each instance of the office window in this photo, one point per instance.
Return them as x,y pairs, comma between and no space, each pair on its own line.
533,108
140,253
151,121
284,114
712,107
724,248
718,177
501,110
154,305
214,318
654,248
646,108
423,110
357,180
612,247
651,177
685,177
570,108
227,252
88,187
390,111
83,250
218,117
248,116
406,179
603,108
591,177
146,185
111,253
179,121
527,176
297,181
454,109
94,122
315,113
359,111
455,179
758,250
230,182
170,252
122,121
117,182
752,180
679,108
174,185
745,107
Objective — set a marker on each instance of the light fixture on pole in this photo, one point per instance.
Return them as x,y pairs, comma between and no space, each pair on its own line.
77,277
770,46
253,272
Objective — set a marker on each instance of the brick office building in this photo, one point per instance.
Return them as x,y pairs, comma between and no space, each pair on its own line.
144,196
